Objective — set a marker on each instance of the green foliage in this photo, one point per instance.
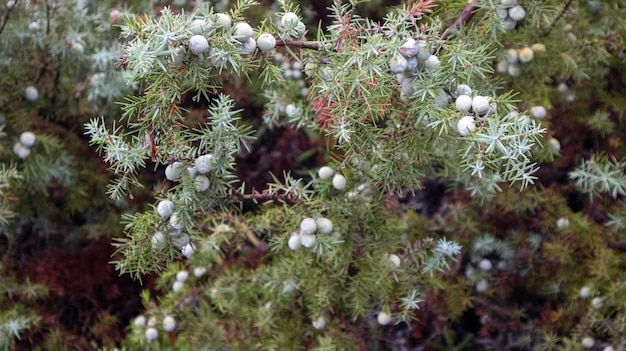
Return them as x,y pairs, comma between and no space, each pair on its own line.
311,258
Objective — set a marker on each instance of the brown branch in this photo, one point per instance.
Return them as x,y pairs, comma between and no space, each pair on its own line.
5,19
255,196
621,246
558,18
464,17
311,45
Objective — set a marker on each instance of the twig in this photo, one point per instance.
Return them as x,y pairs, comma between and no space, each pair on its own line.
565,8
621,247
464,17
5,19
287,198
311,45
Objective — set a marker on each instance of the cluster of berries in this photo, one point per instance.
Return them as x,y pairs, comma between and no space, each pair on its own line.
478,105
413,57
23,146
309,227
151,333
202,165
510,12
179,239
510,63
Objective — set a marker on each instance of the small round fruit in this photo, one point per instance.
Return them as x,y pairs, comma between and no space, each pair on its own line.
27,139
512,56
324,225
383,318
182,276
165,208
502,13
173,170
243,32
175,222
223,21
485,265
517,13
307,240
158,241
555,144
508,24
482,286
292,111
266,42
514,70
538,47
201,183
466,125
300,28
308,226
432,63
31,93
423,50
34,26
294,242
538,112
21,151
585,292
169,323
597,302
188,250
249,46
463,103
339,182
398,64
562,223
325,172
198,44
502,66
151,334
204,163
464,89
319,323
289,19
178,286
480,104
409,48
588,342
199,271
526,54
140,321
394,261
